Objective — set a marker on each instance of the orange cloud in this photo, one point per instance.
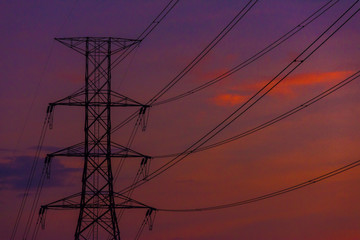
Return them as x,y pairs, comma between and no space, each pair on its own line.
286,88
229,99
288,85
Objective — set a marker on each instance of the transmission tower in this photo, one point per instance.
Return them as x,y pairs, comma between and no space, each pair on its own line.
97,200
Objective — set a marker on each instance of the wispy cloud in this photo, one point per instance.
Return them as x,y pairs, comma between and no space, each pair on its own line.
15,172
289,88
229,99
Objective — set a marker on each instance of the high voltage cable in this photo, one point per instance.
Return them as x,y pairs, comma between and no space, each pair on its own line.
205,51
245,63
195,61
158,171
31,176
235,115
126,121
33,210
117,61
272,194
256,56
138,123
230,119
276,119
128,146
158,19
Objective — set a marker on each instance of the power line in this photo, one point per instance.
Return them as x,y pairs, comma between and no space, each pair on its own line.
31,175
194,62
245,63
269,195
257,55
280,117
299,60
241,14
231,119
149,29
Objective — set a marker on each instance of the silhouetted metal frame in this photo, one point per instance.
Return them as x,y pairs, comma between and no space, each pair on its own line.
97,198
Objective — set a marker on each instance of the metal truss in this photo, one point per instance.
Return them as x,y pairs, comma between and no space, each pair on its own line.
97,200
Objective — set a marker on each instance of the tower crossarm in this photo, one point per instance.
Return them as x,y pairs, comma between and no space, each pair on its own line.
79,44
78,99
73,202
117,151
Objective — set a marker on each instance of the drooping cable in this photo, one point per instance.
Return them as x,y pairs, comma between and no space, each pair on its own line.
257,55
304,55
150,28
236,115
240,15
158,19
250,60
140,121
280,117
128,146
194,62
149,219
125,122
272,194
141,229
34,208
31,176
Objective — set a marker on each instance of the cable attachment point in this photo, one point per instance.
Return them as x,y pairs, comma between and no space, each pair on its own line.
145,167
144,116
50,115
42,217
150,217
47,165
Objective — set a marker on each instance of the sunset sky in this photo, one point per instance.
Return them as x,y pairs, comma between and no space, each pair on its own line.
37,70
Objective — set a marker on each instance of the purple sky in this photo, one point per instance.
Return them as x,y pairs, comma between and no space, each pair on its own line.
36,70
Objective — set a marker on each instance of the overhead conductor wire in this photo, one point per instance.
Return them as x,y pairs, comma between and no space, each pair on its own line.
195,61
288,35
272,194
158,19
146,32
323,9
198,58
205,51
31,178
299,60
280,117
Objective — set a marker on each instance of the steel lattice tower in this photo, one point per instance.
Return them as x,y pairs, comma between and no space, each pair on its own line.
97,199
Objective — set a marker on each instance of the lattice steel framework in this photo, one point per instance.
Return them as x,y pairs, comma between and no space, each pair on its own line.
96,201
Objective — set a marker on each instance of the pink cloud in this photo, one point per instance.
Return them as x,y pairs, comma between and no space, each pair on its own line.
229,99
287,86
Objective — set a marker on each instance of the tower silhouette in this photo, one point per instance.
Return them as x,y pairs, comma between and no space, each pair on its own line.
97,200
